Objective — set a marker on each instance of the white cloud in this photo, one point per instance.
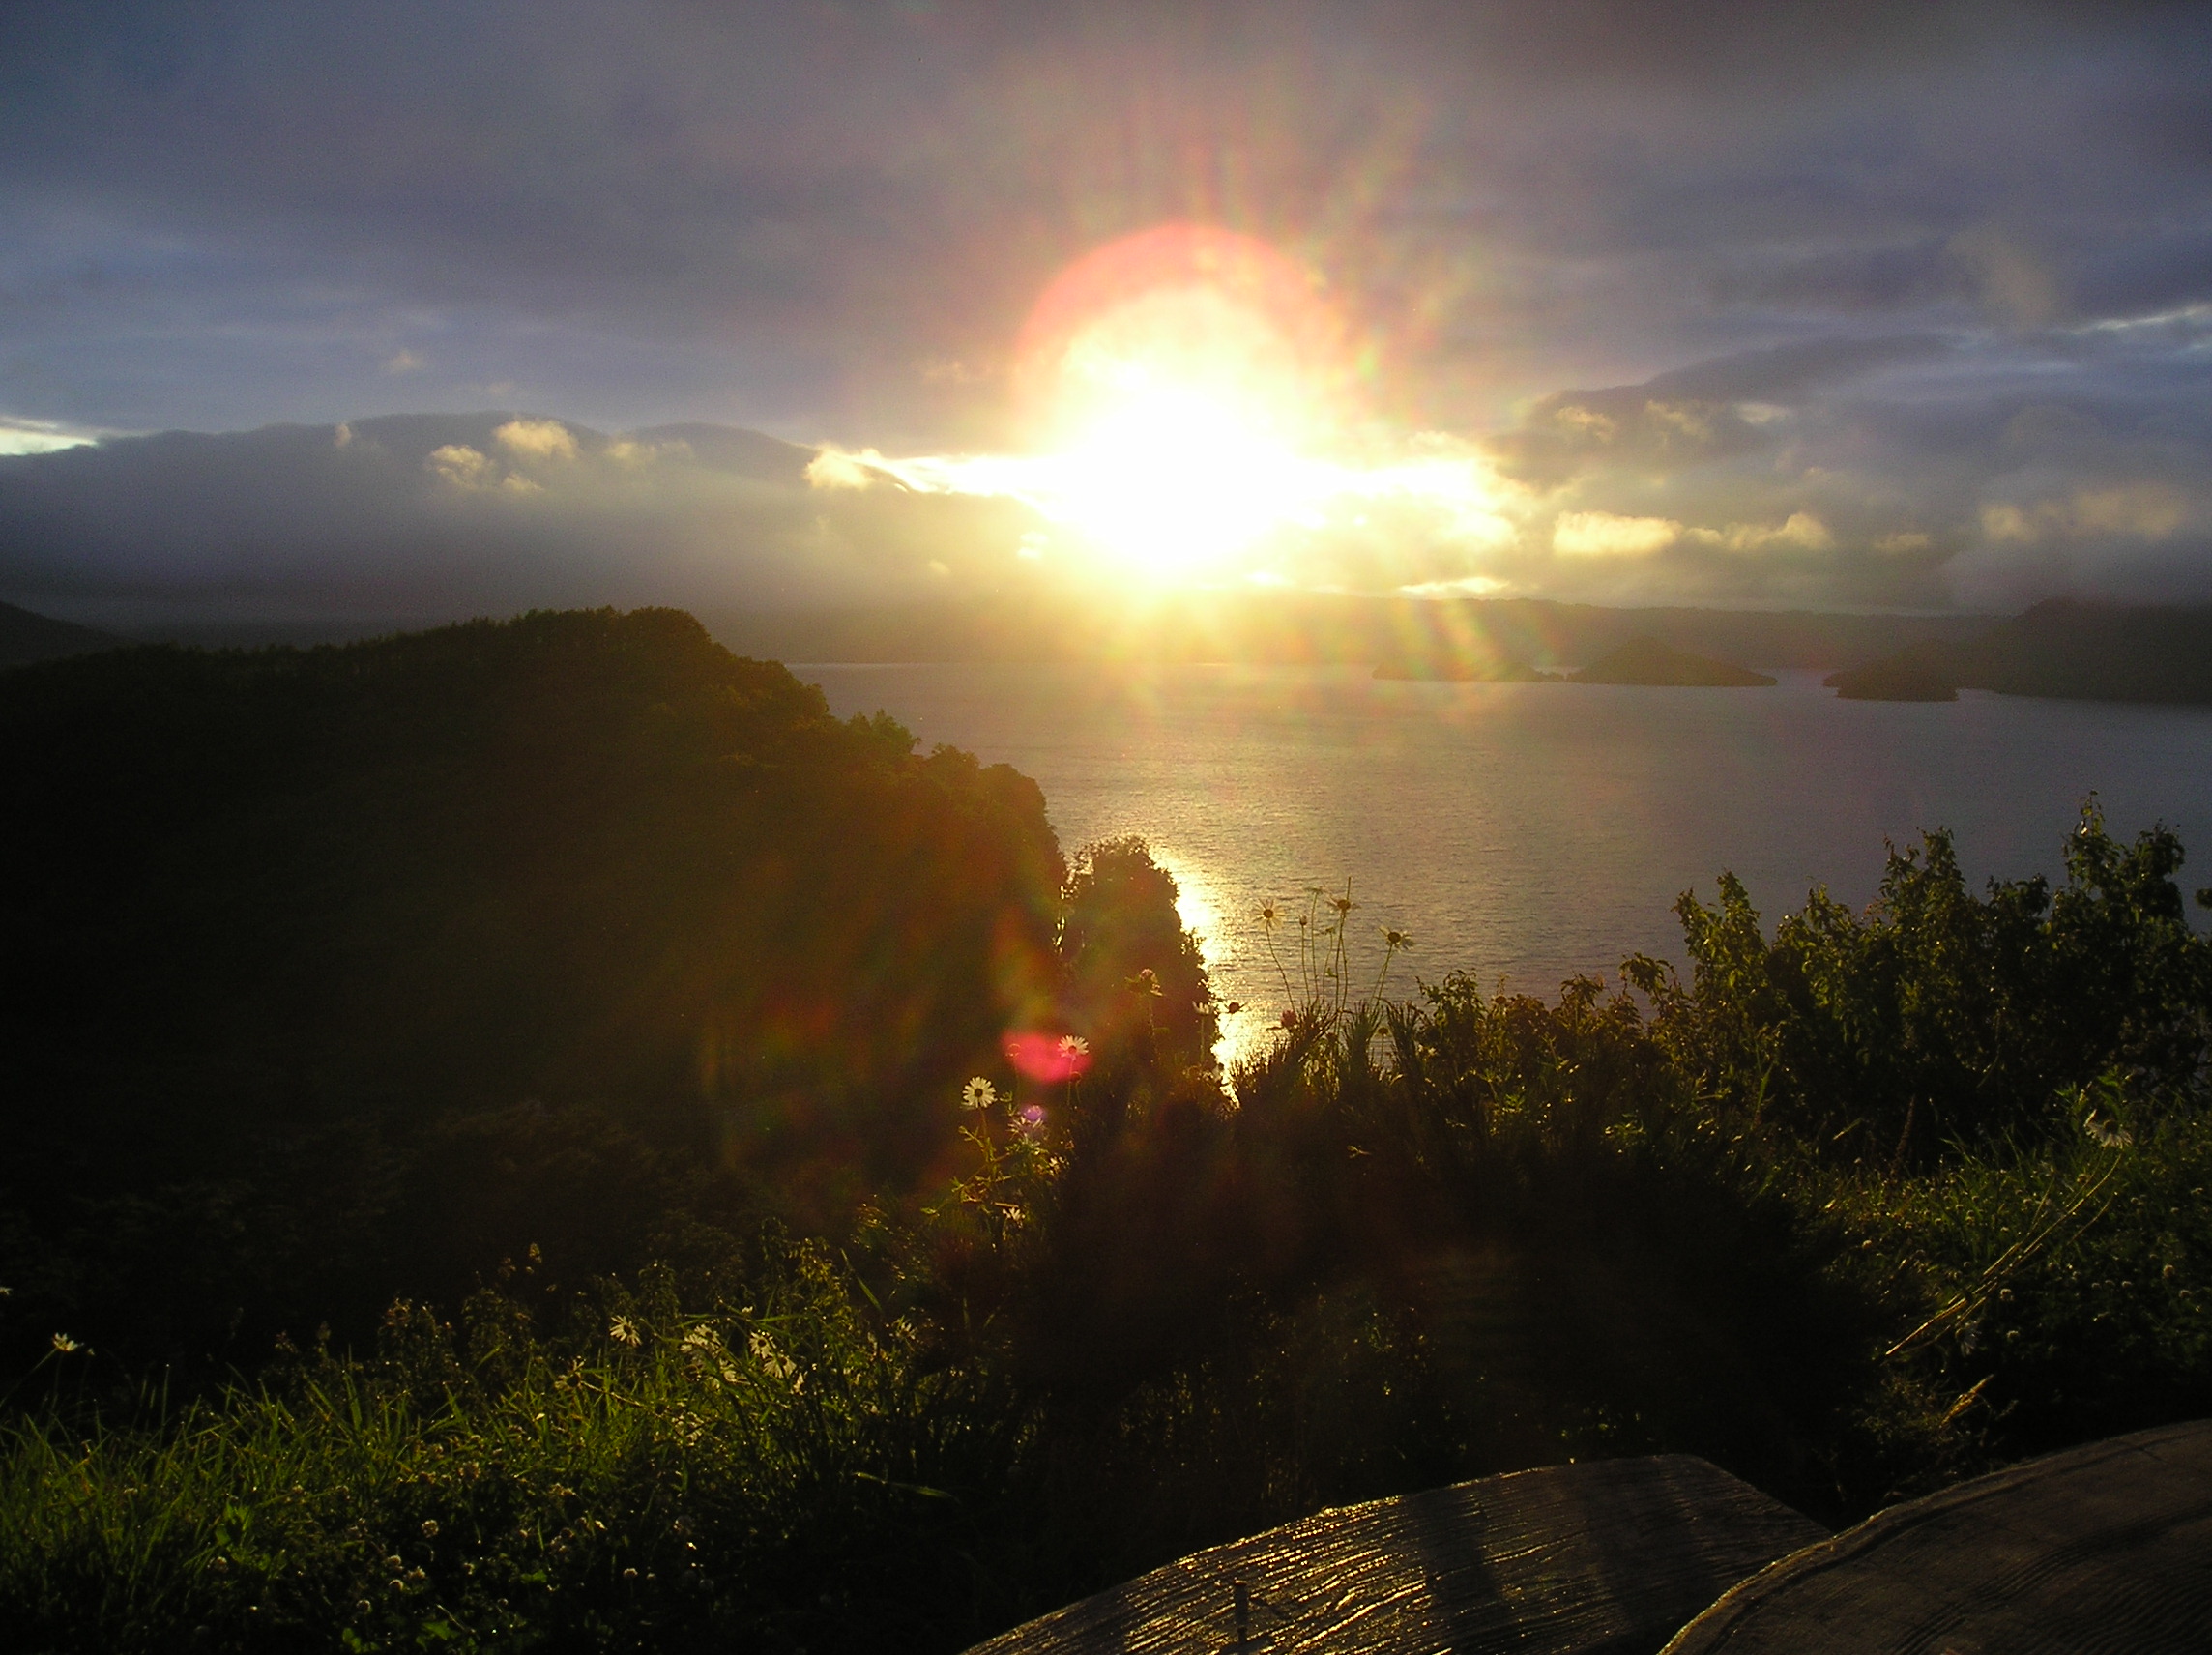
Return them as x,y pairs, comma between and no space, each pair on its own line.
2187,318
538,439
20,436
1585,421
1688,420
1800,530
404,361
1467,586
834,468
459,465
1602,535
629,451
2138,511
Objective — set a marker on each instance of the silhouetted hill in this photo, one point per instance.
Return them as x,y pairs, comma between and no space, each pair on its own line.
26,637
285,924
1648,661
2064,648
574,853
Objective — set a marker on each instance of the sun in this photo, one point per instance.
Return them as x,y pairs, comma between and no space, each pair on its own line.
1182,384
1193,414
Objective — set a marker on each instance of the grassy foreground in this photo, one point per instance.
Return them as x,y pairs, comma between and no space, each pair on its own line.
1869,1202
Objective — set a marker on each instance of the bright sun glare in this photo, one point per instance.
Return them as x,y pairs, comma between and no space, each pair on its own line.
1171,475
1182,379
1188,391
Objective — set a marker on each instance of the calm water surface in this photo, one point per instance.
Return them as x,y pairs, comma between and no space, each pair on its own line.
1531,831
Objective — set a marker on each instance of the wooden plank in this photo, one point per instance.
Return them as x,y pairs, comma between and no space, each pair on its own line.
2103,1548
1609,1556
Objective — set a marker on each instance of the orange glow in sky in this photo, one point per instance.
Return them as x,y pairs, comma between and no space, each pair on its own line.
1191,392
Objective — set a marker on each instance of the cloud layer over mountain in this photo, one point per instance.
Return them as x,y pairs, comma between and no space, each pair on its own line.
433,516
1892,303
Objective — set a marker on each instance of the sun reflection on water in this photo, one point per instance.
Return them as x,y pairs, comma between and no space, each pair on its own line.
1203,909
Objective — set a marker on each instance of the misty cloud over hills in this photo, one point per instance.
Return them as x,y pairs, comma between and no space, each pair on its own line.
1925,470
1883,477
434,515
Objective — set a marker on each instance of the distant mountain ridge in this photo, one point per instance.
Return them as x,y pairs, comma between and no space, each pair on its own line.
436,517
26,637
1648,661
1476,640
2062,648
1444,639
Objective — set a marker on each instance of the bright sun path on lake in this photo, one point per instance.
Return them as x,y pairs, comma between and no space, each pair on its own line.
1193,393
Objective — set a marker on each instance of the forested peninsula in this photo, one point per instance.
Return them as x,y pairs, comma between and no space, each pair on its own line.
534,1135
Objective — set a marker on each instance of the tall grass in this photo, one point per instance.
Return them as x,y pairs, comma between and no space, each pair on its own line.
680,1479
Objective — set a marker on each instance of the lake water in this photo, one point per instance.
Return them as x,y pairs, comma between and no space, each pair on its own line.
1532,832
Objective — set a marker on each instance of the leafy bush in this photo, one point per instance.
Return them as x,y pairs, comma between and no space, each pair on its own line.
1938,1020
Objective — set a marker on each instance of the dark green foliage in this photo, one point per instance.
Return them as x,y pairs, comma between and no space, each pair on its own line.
1120,908
633,966
573,856
318,940
1939,1018
2067,1293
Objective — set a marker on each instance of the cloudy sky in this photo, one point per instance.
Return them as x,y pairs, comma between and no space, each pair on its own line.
1877,304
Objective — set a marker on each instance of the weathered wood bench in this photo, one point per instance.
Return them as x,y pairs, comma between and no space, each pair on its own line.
2103,1548
1611,1557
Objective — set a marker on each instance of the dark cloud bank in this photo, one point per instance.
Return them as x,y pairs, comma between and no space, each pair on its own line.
1886,304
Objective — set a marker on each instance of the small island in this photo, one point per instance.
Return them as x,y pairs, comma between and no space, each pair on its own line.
1646,661
1911,675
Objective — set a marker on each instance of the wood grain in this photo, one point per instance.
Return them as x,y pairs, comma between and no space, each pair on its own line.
1609,1557
2103,1548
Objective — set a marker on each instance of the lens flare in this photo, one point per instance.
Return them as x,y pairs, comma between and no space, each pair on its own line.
1182,379
1191,394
